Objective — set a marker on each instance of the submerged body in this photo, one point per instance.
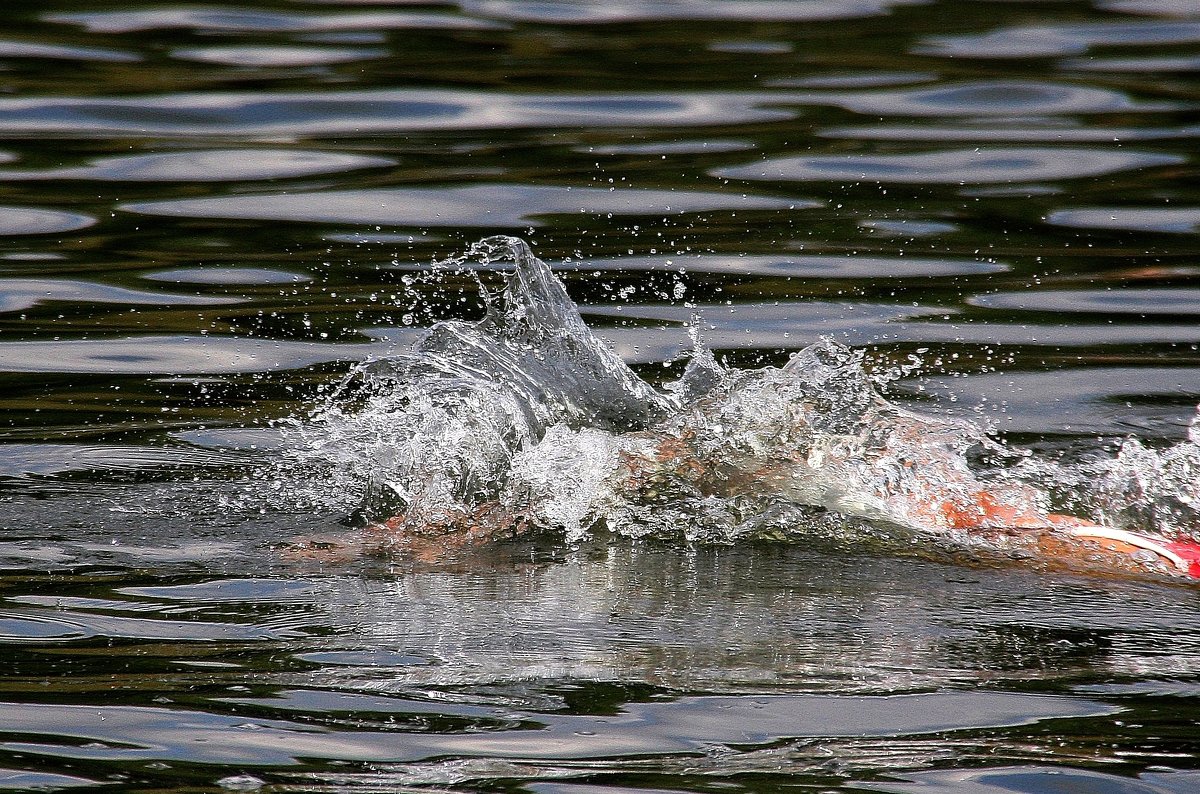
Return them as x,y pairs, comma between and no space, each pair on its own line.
525,421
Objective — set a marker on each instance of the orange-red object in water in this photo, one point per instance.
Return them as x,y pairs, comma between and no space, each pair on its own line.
1073,537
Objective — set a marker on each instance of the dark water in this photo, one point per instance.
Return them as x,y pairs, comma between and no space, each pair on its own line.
208,213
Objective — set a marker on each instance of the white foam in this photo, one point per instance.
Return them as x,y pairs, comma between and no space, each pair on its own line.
527,414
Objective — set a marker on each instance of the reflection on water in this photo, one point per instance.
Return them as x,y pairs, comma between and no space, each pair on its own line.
1140,301
1039,41
181,355
247,20
566,12
986,98
201,166
226,275
814,266
364,113
1035,779
210,212
1180,220
481,205
956,166
523,667
18,293
30,220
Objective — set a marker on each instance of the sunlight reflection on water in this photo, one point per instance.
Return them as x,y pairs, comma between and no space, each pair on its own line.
210,214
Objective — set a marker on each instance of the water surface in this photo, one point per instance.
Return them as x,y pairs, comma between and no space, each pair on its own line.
210,213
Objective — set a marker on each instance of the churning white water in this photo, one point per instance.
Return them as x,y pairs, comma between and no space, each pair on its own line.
525,420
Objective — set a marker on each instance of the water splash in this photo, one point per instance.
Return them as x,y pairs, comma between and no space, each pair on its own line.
1148,487
526,420
437,428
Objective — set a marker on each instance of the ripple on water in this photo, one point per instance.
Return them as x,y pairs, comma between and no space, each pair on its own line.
1176,220
986,98
1096,400
1036,41
752,47
854,80
780,325
686,725
670,147
244,439
371,112
316,701
788,325
798,265
344,37
773,316
478,205
909,227
1033,780
32,256
18,460
25,49
219,591
1005,191
1127,300
226,276
261,55
25,780
17,294
29,220
953,166
17,628
179,355
65,625
408,239
250,20
1055,332
1031,130
367,658
1162,8
1146,63
567,12
221,165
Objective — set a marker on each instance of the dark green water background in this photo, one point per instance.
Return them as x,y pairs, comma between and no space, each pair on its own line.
208,213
